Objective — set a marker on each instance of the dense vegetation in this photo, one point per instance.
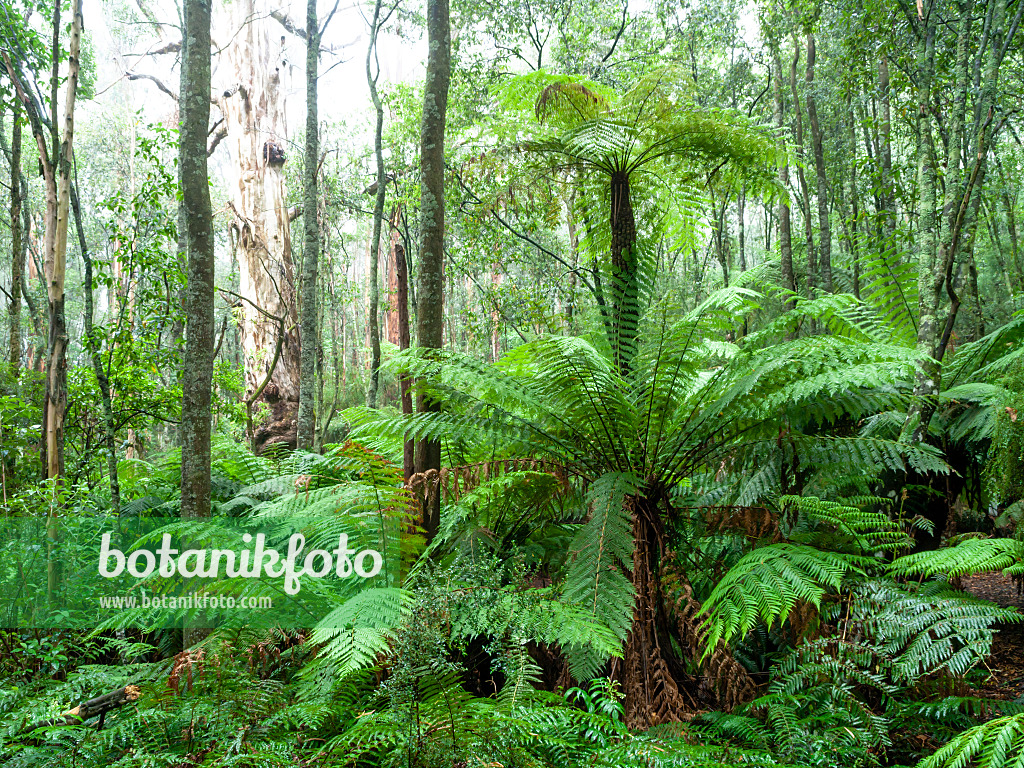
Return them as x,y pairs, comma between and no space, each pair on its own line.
671,353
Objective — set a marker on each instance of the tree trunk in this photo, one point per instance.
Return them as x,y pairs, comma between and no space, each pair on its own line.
783,212
199,324
430,275
805,195
310,331
402,307
741,201
92,346
17,253
378,212
56,168
888,189
927,378
254,111
824,226
656,686
624,288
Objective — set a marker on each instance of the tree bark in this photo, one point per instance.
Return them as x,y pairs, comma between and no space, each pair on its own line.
805,195
310,330
430,272
402,306
824,226
199,324
888,197
624,288
783,211
17,253
92,346
257,135
927,378
56,168
373,321
197,363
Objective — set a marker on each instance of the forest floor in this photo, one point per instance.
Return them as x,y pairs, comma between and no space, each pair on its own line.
1007,659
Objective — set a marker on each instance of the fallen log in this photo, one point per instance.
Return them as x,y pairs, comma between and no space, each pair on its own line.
91,708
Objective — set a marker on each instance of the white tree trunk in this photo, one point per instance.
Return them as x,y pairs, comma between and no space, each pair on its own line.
253,105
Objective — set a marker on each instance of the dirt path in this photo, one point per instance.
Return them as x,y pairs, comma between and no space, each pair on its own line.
1007,659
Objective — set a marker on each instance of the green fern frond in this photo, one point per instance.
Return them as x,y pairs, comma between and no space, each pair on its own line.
970,556
596,577
998,743
766,585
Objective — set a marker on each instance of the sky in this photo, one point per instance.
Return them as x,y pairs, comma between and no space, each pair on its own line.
343,90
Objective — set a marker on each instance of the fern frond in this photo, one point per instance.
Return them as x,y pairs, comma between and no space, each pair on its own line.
970,556
766,585
596,577
998,743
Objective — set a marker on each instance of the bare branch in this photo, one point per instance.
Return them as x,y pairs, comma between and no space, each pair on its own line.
220,133
159,83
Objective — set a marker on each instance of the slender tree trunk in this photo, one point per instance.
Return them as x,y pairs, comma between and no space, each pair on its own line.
92,346
430,274
402,306
199,323
888,189
741,202
310,330
805,195
56,168
783,214
824,226
378,211
927,382
17,254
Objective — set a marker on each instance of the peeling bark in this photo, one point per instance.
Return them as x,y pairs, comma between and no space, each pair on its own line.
257,135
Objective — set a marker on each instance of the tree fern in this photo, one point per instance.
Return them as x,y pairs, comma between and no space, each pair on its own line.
971,555
766,585
601,554
998,743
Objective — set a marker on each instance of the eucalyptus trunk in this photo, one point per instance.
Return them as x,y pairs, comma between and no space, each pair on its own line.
824,225
17,253
805,195
373,321
199,323
783,210
310,330
254,113
430,271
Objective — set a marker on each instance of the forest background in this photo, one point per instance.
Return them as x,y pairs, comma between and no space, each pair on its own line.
678,345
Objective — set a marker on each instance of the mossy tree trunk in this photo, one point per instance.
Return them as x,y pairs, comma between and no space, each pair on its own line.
197,378
310,329
17,254
430,270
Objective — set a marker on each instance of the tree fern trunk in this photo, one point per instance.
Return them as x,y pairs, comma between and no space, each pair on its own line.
654,680
624,289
